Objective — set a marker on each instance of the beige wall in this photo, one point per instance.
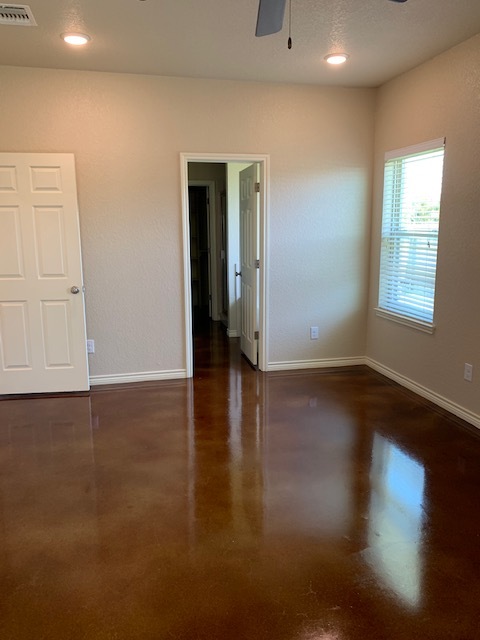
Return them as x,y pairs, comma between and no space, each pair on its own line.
439,98
127,133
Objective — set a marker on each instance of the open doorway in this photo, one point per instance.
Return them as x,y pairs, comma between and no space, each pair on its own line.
210,230
202,219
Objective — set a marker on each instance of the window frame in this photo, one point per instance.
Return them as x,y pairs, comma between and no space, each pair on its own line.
396,237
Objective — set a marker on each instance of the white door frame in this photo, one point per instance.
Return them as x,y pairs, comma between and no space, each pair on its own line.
264,163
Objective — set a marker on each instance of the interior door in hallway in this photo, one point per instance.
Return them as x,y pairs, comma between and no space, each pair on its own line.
249,262
42,309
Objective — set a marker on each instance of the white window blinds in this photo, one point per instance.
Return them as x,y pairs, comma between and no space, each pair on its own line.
411,213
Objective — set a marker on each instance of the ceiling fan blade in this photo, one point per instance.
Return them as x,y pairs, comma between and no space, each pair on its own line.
270,17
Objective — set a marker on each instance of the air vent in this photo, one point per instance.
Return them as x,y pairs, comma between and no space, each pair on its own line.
17,14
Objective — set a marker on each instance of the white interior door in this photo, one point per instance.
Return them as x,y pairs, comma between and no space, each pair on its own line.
42,309
248,261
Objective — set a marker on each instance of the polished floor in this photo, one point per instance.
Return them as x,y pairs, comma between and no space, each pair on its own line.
240,505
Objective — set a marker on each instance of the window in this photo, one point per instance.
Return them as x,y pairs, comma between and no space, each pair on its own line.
411,214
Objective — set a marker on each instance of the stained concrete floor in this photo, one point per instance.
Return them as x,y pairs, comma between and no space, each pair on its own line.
239,505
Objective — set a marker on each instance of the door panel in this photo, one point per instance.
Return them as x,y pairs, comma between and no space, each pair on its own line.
11,259
50,242
8,179
56,321
15,339
46,179
42,323
248,255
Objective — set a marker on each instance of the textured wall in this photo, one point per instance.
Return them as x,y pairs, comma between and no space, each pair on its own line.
127,133
439,98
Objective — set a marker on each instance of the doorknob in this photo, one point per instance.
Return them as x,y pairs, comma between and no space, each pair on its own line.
238,273
75,290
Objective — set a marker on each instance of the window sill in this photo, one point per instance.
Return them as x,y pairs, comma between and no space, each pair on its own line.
420,325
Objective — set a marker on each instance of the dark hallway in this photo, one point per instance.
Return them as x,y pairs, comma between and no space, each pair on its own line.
239,505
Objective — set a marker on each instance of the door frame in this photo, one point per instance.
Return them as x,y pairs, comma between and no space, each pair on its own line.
263,161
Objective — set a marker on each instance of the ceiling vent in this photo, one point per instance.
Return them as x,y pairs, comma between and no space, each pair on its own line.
17,14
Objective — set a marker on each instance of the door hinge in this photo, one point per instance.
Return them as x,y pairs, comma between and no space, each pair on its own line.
257,264
256,335
257,187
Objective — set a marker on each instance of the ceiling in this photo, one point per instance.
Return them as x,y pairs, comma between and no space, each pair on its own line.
216,38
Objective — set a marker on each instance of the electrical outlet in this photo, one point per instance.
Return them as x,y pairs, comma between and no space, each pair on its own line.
90,346
313,333
468,372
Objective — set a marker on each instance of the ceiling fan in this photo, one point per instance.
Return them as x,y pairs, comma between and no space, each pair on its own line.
271,14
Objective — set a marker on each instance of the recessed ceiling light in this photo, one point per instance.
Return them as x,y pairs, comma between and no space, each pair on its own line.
336,58
76,39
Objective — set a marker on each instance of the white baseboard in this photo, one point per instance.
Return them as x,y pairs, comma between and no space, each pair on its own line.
290,365
145,376
444,403
233,333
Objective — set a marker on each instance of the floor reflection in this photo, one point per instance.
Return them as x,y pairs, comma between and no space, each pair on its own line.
396,519
238,505
307,462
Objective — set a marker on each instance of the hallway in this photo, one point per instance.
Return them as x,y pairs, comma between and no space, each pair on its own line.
240,505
